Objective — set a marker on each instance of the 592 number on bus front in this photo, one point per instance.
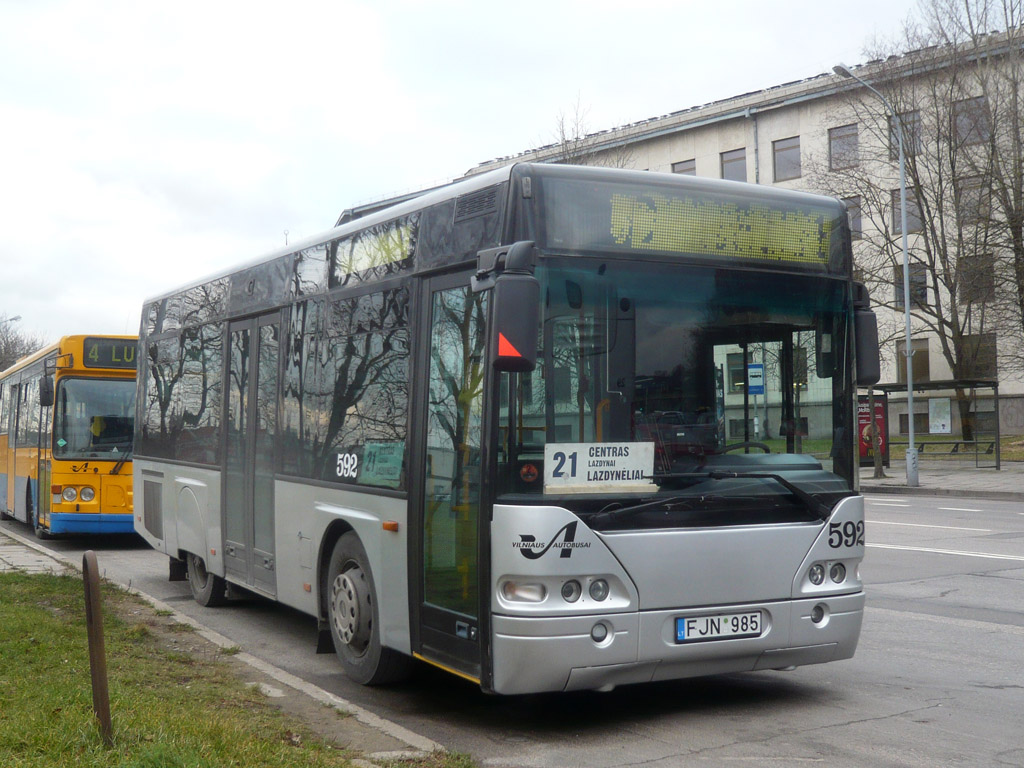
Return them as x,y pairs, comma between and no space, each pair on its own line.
848,534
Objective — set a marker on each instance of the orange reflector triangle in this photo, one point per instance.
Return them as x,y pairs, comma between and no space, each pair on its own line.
505,348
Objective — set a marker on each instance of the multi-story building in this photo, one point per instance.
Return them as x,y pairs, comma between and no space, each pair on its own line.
829,134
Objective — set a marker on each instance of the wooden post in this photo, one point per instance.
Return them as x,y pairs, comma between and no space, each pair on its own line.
97,652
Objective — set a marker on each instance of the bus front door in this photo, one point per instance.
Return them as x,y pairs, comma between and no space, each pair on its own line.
448,609
250,426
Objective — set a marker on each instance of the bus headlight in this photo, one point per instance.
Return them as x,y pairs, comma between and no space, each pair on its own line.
571,591
69,493
838,573
523,592
599,589
816,574
88,494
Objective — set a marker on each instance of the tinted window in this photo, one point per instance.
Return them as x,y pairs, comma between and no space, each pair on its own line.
160,424
199,394
301,429
365,380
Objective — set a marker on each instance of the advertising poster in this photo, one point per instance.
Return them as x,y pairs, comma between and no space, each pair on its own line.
940,420
864,422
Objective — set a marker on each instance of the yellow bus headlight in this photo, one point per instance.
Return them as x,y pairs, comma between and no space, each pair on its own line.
88,494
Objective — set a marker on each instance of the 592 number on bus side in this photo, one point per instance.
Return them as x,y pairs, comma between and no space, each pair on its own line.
848,534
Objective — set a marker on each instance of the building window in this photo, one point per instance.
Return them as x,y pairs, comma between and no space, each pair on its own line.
911,135
976,280
786,158
972,201
685,167
737,372
978,354
842,147
922,425
918,285
853,212
919,361
914,221
970,121
734,164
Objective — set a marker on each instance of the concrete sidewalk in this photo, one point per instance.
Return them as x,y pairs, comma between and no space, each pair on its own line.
938,478
20,556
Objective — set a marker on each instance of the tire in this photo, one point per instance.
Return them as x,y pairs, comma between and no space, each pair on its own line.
354,617
42,534
208,590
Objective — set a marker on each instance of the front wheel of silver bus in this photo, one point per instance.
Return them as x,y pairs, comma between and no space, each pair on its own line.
354,618
207,589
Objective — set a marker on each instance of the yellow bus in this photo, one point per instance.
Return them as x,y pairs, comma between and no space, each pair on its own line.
66,426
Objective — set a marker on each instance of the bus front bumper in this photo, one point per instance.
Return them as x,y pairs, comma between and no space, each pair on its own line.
83,522
560,653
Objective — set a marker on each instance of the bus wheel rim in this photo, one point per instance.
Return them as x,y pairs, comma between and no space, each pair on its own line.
348,597
199,568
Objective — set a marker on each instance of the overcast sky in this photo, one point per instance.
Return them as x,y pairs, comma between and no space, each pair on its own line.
143,146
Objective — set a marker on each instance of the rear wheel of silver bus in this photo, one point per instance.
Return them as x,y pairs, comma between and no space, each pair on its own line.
354,618
207,589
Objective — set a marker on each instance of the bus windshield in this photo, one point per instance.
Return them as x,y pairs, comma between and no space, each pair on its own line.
93,418
654,375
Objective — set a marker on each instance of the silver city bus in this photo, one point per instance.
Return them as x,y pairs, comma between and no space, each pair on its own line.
549,428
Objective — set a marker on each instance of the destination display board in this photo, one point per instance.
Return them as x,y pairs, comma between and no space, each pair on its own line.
598,467
700,223
108,353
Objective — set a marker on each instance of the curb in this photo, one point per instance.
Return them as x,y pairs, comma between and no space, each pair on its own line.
420,746
906,490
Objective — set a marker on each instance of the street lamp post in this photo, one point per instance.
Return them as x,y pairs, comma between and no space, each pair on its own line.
844,71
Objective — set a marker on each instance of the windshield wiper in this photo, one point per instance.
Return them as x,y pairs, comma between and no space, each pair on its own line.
821,509
606,515
121,463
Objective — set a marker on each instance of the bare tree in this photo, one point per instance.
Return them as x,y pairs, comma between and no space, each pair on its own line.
993,66
948,92
15,343
576,145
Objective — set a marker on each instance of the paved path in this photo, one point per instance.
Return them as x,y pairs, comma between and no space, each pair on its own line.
16,556
936,478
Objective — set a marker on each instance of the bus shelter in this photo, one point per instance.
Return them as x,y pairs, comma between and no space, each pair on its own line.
960,419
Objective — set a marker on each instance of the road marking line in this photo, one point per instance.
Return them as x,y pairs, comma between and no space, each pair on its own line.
958,509
972,624
922,525
889,504
986,555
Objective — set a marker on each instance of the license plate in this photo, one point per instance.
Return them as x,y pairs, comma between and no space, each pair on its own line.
721,626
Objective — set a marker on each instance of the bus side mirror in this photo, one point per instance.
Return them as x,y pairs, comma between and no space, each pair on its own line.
513,342
46,391
865,333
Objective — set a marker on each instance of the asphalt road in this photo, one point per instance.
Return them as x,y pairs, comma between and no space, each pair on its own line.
938,678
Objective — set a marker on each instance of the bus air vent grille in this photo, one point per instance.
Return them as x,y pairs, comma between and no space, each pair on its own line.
476,204
153,506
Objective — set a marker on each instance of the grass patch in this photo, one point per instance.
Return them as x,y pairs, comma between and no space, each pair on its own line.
170,709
